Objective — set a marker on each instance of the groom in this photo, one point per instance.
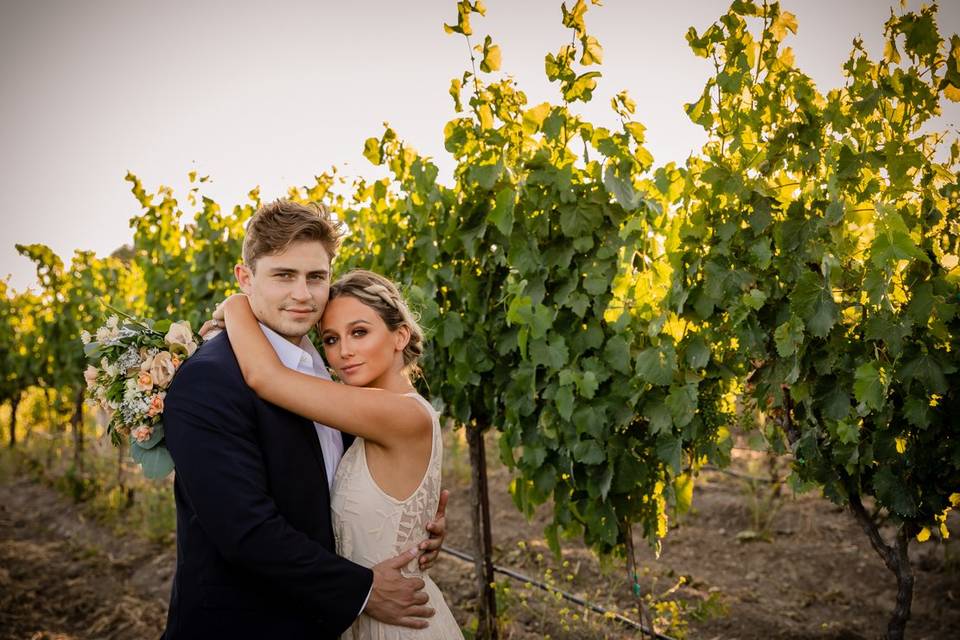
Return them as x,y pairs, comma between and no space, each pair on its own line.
256,556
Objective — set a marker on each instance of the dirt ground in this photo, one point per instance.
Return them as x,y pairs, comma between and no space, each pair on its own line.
811,575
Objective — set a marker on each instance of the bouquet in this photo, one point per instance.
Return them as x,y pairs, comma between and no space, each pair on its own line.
132,365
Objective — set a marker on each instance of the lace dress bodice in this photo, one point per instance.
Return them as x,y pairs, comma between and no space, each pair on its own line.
371,526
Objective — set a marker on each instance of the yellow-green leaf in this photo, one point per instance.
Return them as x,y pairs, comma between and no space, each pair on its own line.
592,51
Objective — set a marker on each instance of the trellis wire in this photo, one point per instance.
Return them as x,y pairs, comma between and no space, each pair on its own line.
596,608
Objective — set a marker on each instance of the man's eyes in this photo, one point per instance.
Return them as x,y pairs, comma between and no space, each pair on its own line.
318,277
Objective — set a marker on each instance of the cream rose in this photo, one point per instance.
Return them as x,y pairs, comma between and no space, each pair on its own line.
162,368
180,338
90,376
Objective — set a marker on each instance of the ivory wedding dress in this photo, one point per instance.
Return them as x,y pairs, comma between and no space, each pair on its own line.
371,526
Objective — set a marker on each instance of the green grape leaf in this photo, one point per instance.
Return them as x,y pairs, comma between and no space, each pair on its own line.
682,403
893,493
659,416
813,301
564,401
617,354
669,451
621,190
893,243
789,336
552,354
926,370
697,353
657,364
545,479
869,386
918,412
451,329
588,452
590,420
502,213
836,405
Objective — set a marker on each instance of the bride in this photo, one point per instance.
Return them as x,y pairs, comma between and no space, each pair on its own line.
387,486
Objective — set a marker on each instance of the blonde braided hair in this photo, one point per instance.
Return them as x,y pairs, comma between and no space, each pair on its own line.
382,296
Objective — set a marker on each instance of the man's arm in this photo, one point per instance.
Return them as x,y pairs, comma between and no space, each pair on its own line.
211,436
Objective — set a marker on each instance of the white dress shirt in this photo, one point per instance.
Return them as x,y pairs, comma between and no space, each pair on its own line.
306,359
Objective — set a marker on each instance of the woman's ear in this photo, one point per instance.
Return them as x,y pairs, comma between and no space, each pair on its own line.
401,337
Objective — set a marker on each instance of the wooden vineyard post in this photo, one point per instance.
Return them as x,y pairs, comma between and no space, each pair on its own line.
482,542
76,423
14,405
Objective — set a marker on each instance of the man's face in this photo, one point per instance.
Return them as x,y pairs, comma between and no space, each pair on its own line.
288,290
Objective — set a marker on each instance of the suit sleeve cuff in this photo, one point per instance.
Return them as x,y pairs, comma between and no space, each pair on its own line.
365,601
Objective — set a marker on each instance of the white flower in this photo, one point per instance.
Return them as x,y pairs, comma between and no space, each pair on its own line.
85,337
112,322
103,334
131,392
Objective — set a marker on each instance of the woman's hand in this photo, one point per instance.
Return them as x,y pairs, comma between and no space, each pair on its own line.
215,324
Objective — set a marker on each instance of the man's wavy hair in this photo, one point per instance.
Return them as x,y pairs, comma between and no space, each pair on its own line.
279,224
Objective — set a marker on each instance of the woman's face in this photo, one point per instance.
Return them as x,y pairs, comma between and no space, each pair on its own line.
358,344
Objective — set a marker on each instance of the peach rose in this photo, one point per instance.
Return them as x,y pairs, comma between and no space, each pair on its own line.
180,338
144,381
90,376
162,369
156,405
141,433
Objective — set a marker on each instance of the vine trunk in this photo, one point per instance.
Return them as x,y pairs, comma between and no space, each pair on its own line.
896,558
482,540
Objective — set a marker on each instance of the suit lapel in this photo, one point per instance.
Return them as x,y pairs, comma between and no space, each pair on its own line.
310,432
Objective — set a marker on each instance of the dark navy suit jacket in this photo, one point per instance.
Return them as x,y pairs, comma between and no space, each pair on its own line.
255,550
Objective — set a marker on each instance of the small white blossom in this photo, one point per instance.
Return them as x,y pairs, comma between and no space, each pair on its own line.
85,337
112,322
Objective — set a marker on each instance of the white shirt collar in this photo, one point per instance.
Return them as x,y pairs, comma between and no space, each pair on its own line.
290,354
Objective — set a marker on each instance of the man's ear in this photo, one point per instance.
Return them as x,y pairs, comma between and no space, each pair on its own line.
244,275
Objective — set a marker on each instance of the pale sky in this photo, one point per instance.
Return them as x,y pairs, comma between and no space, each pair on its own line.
271,94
